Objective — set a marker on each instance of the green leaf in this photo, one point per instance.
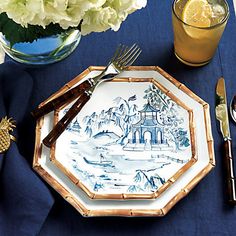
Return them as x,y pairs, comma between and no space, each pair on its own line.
15,33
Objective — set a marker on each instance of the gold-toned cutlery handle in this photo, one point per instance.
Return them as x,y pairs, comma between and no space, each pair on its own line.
59,128
62,99
229,172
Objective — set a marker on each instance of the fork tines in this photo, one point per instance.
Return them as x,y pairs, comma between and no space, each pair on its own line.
126,56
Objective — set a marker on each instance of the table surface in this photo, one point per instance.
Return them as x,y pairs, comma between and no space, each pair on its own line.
28,206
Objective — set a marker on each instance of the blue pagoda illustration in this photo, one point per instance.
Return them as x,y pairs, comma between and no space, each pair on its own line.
148,132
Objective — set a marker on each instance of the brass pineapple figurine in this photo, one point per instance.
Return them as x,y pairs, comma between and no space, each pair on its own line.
6,125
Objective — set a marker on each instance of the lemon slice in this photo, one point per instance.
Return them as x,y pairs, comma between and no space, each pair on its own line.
197,13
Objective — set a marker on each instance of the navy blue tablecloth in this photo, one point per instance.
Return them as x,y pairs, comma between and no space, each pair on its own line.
28,206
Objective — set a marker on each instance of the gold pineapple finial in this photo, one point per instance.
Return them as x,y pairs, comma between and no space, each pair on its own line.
6,126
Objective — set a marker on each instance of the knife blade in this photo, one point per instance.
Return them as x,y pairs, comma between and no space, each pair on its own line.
221,111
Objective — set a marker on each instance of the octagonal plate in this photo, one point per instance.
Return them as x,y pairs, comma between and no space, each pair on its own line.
179,188
132,140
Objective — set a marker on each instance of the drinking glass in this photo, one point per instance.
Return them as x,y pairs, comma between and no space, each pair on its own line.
195,43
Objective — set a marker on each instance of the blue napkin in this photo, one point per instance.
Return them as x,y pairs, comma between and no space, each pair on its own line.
25,201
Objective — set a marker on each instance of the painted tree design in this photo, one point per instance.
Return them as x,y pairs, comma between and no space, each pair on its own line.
147,180
122,115
174,130
128,114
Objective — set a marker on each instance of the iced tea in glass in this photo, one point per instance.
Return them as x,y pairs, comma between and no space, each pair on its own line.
198,26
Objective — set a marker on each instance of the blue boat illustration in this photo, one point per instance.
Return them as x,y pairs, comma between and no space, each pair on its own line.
102,162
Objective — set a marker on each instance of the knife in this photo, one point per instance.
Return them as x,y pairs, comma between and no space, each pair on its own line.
222,116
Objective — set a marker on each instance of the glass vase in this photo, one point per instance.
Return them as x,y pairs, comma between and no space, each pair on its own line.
45,50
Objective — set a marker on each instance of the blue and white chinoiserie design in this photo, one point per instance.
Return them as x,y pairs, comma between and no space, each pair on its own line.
131,140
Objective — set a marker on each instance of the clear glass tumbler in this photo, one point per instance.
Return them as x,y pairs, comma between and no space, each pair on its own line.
198,26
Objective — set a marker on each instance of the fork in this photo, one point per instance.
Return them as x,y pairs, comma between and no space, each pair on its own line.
123,57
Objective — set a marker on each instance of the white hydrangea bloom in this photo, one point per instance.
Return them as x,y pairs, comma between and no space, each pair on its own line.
110,15
97,15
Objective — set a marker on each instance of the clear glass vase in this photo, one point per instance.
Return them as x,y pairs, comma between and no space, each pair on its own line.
43,51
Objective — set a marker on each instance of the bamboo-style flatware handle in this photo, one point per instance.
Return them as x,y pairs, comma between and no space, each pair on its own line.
58,129
229,172
62,99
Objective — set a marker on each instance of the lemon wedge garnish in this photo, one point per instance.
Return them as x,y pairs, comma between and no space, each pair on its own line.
197,13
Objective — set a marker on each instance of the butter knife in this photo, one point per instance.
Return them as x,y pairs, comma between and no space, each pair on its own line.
222,116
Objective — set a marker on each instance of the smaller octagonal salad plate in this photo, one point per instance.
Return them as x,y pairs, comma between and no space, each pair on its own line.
132,140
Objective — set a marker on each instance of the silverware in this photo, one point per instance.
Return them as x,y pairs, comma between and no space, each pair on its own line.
233,108
222,116
123,57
